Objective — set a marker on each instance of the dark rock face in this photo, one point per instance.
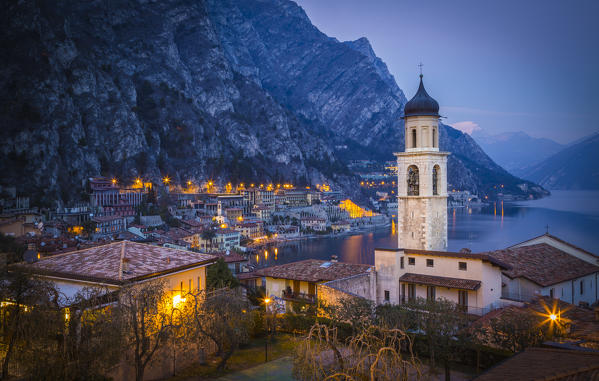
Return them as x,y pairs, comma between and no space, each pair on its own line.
241,90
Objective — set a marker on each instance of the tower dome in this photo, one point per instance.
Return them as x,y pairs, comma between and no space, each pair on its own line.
421,103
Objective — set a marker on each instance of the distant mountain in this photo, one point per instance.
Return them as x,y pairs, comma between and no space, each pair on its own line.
515,151
234,90
575,167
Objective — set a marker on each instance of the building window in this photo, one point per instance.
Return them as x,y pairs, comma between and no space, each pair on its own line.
462,266
386,295
413,181
429,263
430,292
463,299
411,292
581,287
401,262
403,293
551,293
436,180
198,283
411,261
434,137
413,138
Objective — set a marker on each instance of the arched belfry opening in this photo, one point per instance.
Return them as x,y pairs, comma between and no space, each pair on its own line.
413,179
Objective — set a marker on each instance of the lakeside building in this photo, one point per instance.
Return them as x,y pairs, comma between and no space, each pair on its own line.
309,280
105,192
314,223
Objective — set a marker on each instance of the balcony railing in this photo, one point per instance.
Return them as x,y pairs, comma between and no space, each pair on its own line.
299,296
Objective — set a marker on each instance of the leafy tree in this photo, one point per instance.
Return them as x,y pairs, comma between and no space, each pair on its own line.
14,250
358,312
89,227
516,330
222,317
439,322
208,235
219,275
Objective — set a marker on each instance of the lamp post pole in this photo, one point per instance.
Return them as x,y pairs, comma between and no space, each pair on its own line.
266,302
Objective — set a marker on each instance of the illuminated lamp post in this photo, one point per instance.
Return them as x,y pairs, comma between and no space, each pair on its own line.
267,300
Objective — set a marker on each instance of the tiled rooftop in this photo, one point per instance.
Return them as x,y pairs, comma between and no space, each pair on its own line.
546,364
543,264
441,281
313,270
103,263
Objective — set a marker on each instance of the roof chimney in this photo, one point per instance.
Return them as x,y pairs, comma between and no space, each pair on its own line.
334,258
125,265
465,250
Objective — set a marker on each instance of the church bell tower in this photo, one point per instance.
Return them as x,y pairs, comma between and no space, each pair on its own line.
422,178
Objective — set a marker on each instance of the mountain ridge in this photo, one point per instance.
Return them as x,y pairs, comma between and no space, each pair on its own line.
198,90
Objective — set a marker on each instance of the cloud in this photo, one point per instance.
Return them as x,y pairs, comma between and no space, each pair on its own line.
466,126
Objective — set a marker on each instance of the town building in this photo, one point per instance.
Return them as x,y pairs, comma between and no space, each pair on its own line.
541,269
117,264
109,225
262,212
313,223
472,281
106,192
251,230
304,281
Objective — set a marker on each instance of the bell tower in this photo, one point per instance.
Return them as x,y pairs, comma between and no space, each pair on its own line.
422,178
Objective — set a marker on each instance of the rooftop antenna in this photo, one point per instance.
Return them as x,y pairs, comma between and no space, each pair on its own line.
546,229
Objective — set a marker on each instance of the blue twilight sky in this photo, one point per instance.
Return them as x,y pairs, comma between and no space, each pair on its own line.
497,65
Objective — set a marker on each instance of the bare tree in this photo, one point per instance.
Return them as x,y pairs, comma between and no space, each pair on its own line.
356,311
222,317
372,354
144,315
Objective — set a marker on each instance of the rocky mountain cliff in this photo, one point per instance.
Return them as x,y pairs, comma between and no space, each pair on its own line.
241,90
573,168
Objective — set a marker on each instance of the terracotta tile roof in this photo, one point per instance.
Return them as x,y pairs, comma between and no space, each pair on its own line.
231,257
177,233
546,364
558,240
543,264
313,270
103,263
482,256
441,281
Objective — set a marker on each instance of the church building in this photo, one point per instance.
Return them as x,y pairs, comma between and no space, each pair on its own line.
421,266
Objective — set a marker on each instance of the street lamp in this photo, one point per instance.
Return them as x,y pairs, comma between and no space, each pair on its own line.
267,300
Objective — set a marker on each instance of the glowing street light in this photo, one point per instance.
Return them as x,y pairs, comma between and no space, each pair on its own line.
113,181
553,317
166,180
177,300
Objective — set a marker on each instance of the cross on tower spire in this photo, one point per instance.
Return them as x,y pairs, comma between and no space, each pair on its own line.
420,65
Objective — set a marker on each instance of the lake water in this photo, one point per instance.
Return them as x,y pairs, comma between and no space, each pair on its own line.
569,215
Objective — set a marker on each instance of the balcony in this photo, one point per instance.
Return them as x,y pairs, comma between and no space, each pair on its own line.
298,296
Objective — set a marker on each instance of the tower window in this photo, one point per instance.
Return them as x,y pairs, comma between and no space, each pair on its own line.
411,261
429,263
434,137
413,181
413,138
401,262
436,180
462,266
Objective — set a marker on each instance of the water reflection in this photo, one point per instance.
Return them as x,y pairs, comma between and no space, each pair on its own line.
489,228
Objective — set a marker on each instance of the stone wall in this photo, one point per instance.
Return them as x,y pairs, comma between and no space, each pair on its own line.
358,286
